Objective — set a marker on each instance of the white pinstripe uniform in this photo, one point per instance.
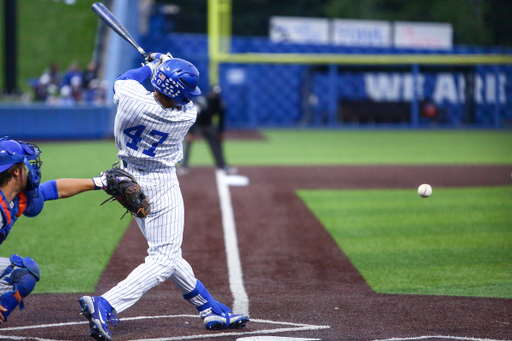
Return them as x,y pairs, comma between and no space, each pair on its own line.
149,140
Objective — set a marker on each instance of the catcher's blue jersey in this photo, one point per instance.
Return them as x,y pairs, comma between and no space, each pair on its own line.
23,204
9,213
147,135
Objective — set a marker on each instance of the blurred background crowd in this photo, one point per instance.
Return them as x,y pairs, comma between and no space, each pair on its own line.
71,87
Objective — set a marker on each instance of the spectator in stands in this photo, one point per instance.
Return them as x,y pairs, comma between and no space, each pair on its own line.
76,88
210,124
72,72
53,94
89,74
100,97
66,97
96,92
90,93
54,74
49,80
41,88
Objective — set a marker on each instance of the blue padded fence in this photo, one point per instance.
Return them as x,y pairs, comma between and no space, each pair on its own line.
41,122
283,95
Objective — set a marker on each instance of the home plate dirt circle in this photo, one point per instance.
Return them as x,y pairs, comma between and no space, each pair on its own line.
299,284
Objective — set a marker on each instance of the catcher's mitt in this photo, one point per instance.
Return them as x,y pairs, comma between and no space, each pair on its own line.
123,187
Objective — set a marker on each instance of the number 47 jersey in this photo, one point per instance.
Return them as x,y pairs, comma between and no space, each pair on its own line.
149,136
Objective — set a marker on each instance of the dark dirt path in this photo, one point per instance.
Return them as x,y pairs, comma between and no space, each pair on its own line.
293,270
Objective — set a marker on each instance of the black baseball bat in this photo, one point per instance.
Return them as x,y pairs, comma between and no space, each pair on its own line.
114,24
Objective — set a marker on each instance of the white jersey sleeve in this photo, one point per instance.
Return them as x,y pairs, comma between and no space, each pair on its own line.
148,136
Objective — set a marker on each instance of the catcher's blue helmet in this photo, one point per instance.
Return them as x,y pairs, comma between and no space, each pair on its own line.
176,78
16,151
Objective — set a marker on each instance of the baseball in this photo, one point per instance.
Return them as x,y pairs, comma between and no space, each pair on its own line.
425,190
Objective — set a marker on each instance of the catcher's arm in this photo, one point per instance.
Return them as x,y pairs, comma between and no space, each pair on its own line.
2,310
55,189
70,187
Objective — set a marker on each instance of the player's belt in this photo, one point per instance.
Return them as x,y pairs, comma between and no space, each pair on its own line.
125,165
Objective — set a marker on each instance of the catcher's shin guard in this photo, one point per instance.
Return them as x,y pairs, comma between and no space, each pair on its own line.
9,301
22,274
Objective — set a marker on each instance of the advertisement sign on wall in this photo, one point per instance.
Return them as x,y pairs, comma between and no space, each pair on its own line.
365,33
362,33
423,35
299,30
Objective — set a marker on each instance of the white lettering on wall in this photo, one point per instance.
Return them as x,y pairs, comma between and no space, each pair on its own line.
448,87
383,87
479,85
408,87
462,87
445,89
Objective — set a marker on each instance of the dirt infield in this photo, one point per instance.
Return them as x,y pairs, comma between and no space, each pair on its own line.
299,283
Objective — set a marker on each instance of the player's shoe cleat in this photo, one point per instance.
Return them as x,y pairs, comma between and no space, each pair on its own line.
230,170
182,170
97,310
214,321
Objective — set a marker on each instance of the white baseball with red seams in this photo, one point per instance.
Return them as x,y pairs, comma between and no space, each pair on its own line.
425,190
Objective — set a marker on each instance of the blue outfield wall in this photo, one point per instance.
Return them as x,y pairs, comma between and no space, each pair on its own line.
490,92
41,122
283,95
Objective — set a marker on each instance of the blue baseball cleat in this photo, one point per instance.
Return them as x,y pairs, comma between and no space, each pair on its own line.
214,321
98,311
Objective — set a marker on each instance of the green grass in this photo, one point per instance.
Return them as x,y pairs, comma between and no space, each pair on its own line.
72,239
457,242
51,31
338,147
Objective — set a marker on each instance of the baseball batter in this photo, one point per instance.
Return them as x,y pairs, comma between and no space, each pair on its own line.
149,130
22,193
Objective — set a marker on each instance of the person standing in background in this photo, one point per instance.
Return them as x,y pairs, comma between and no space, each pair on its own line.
210,124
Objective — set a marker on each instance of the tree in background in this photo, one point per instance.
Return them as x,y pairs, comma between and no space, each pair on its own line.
475,22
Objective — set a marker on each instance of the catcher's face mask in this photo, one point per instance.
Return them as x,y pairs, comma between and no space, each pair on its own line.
16,151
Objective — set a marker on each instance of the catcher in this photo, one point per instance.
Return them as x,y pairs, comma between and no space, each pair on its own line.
22,193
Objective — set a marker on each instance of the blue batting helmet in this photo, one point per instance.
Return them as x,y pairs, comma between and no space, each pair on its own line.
176,78
16,151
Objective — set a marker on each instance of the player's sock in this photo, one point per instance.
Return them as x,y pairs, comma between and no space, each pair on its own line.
203,301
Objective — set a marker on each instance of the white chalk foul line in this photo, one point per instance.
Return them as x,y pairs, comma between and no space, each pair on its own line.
63,324
462,338
236,282
267,331
24,338
293,327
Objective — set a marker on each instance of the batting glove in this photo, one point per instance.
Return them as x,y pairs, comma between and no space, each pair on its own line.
152,56
165,57
154,65
100,182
